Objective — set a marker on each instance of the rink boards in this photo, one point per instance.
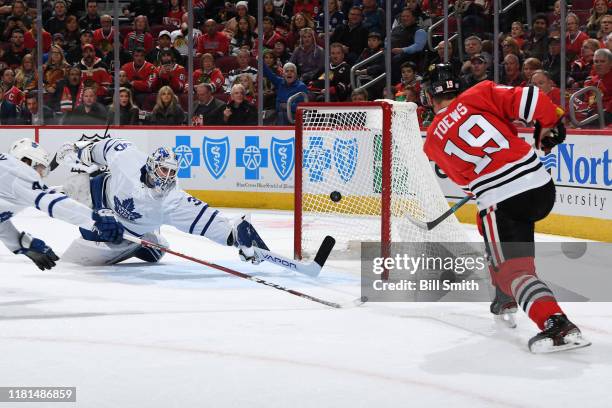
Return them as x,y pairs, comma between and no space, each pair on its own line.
253,167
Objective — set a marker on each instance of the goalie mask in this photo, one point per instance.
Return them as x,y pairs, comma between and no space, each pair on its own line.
31,151
161,168
439,80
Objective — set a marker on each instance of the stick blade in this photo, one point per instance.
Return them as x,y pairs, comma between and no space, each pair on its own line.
324,250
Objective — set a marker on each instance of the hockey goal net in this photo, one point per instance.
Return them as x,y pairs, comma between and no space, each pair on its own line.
360,168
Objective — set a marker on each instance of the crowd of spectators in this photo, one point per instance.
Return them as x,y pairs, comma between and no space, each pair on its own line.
78,56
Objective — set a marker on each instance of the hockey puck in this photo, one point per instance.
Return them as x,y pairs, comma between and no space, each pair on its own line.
335,196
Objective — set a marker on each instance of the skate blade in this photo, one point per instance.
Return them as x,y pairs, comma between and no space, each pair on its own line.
506,319
572,341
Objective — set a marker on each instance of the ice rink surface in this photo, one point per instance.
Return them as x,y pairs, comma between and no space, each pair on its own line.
179,334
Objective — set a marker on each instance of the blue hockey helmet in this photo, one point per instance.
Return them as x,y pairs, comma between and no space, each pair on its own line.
162,167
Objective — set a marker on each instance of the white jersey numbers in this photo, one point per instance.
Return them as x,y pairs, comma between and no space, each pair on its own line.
477,131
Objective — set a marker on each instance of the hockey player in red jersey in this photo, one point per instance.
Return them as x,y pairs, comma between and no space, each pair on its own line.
473,140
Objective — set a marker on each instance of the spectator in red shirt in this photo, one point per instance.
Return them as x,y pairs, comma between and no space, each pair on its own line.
94,70
310,7
543,80
603,79
582,68
170,73
270,35
140,37
106,33
209,74
174,16
517,33
141,74
213,41
29,39
574,37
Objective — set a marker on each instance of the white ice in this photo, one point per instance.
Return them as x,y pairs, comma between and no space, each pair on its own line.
179,334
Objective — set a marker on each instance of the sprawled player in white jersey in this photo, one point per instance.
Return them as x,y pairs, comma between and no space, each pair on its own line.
142,191
21,186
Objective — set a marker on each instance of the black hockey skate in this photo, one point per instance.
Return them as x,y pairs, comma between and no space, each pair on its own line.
559,334
504,308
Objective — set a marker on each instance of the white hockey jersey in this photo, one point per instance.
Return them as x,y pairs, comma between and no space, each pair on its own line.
22,187
139,209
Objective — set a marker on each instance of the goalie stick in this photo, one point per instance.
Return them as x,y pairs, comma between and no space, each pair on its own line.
311,269
429,225
233,272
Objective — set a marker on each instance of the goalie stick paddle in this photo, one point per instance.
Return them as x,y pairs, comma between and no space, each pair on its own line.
230,271
429,225
311,269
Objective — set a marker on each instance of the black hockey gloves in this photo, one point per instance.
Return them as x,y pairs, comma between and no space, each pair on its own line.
37,251
244,237
557,136
107,227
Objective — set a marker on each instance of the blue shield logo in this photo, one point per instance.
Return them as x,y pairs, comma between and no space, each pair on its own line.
283,156
216,155
186,155
251,157
317,159
345,158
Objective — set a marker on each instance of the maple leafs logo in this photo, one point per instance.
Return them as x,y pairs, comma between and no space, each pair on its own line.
5,216
125,209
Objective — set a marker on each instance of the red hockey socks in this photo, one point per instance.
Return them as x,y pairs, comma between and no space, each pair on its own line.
535,298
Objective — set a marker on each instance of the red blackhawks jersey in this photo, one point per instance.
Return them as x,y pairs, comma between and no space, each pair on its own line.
143,79
475,143
175,79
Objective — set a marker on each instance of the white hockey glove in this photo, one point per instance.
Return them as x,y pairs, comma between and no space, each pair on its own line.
244,237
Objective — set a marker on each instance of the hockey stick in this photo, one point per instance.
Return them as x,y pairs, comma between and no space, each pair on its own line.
230,271
429,225
311,269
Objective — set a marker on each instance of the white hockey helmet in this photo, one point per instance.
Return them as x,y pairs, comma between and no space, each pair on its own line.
28,149
162,167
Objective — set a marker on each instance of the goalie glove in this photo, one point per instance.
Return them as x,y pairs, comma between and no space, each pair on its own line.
37,251
244,237
77,155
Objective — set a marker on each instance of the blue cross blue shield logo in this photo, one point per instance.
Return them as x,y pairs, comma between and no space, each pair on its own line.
317,159
186,155
251,157
283,156
216,155
345,157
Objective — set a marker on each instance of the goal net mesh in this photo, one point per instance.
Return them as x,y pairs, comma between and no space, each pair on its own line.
341,181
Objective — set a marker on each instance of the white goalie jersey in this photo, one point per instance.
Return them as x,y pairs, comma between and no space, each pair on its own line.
139,209
22,187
